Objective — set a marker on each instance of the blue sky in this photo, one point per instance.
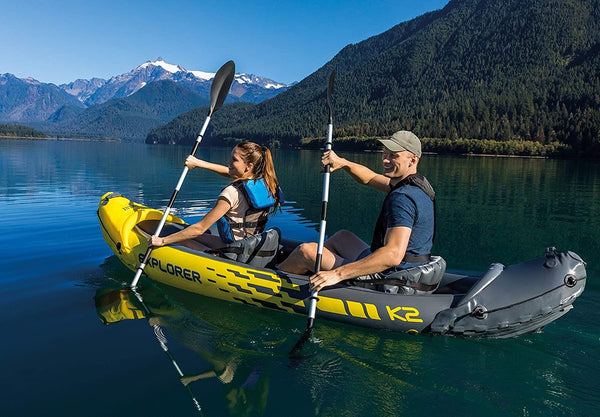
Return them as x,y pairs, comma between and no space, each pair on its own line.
62,40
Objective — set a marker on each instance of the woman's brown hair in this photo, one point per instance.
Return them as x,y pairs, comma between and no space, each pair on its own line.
262,161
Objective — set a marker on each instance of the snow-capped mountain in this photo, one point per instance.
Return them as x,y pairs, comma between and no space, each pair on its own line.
245,87
29,100
83,89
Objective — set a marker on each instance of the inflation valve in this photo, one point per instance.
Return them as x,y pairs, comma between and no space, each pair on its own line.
480,312
570,280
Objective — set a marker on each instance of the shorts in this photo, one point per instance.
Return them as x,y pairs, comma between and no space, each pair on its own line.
362,255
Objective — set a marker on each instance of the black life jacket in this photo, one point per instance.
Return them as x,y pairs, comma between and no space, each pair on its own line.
416,180
260,204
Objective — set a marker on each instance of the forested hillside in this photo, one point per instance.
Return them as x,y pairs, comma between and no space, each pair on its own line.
129,118
508,70
18,131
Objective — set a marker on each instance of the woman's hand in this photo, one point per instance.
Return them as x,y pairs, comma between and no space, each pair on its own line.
157,241
334,161
192,162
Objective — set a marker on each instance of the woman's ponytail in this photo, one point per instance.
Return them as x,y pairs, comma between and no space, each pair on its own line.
270,176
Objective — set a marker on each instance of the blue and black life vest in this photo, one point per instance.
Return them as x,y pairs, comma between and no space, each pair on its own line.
416,180
260,204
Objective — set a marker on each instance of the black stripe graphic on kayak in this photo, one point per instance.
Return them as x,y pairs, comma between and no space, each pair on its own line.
269,305
237,274
241,300
294,307
239,288
264,276
265,290
296,294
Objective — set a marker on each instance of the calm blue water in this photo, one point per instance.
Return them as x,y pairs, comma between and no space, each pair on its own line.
58,359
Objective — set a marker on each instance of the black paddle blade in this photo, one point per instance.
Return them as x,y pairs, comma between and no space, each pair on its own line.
220,86
329,91
295,352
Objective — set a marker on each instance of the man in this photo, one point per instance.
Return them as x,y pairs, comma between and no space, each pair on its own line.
403,235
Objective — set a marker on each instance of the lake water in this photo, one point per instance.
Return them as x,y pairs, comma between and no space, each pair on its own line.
59,359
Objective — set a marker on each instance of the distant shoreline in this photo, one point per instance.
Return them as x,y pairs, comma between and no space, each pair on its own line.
344,149
481,155
58,138
465,147
489,155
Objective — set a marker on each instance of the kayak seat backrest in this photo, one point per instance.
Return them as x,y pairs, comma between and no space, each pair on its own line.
257,250
422,279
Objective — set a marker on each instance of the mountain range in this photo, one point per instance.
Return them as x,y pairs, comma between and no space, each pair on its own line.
245,87
509,70
126,105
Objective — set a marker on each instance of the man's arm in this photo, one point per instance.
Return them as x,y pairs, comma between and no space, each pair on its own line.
388,256
358,172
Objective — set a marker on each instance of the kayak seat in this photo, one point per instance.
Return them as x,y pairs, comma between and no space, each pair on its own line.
422,279
257,250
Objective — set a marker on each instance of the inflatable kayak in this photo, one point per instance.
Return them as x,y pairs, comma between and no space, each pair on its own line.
504,301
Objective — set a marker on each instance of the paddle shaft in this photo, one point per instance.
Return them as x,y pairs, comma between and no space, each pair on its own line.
161,224
323,226
163,344
162,340
312,308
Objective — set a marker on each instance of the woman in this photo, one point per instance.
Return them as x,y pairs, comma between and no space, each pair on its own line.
243,207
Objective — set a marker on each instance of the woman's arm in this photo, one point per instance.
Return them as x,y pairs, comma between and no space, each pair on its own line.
221,207
192,162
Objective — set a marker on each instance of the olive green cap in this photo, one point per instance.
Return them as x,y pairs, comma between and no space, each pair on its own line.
403,140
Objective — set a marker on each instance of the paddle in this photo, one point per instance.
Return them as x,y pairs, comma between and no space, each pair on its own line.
162,340
218,91
314,294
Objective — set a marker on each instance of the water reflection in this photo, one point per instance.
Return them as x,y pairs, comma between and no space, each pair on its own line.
246,350
244,375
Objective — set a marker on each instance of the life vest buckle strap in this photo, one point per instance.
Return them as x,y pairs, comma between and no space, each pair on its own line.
417,259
